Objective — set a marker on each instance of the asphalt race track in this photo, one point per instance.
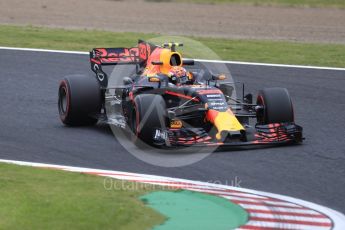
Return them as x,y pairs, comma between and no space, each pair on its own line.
30,130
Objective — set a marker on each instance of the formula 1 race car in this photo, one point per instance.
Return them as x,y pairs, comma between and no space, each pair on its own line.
163,104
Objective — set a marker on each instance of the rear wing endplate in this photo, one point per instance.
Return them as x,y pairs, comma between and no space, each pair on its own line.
119,56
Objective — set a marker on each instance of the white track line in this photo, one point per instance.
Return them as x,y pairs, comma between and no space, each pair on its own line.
272,65
279,209
210,191
239,200
271,225
286,217
199,60
43,50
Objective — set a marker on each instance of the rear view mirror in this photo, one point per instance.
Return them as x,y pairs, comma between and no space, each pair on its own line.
188,62
219,77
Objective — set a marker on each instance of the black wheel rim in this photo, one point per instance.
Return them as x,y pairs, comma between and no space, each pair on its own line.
260,113
63,100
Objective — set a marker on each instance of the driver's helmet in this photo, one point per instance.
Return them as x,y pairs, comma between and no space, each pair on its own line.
178,75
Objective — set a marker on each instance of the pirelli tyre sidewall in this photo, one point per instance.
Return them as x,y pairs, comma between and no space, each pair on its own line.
79,100
276,106
148,115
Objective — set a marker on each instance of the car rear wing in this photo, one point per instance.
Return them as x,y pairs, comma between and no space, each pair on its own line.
115,56
119,56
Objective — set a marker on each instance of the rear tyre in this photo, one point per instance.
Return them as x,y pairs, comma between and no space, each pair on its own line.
275,106
149,114
79,100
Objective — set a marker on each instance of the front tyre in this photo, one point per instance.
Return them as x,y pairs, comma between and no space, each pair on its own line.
79,100
149,115
274,106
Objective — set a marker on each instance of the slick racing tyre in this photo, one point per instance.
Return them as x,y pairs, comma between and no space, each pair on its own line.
149,114
79,100
275,106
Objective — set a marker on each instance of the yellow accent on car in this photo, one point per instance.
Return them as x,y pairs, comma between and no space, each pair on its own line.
226,121
165,57
154,79
190,76
176,124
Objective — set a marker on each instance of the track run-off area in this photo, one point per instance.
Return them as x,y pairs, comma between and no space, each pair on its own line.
265,210
314,171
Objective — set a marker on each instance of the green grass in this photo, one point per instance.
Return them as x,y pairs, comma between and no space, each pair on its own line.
32,198
293,3
237,50
279,52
